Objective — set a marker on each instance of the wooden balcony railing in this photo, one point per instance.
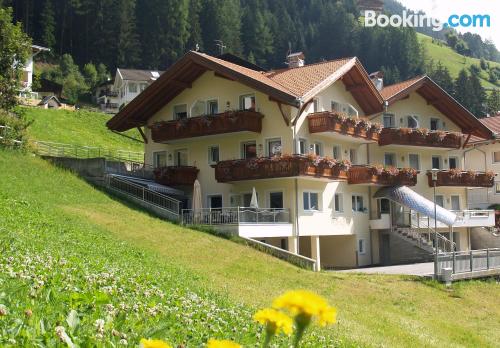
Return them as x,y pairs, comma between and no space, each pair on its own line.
279,167
419,137
226,122
327,121
454,177
173,176
377,175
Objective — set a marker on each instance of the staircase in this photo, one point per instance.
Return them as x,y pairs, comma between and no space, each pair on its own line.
425,240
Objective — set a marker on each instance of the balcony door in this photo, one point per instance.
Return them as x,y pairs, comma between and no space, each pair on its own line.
181,157
276,200
273,147
455,202
214,201
249,150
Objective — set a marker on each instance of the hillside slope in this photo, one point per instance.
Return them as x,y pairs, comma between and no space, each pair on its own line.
51,211
451,59
80,127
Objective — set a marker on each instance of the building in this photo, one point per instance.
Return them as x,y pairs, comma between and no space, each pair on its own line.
128,84
27,77
50,102
484,154
320,145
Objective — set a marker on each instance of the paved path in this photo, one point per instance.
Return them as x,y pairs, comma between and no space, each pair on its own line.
420,269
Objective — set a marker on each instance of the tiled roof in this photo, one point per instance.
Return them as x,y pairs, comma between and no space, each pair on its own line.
492,123
301,80
391,90
139,75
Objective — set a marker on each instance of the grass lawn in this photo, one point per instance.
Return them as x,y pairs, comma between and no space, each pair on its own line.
452,60
80,127
88,246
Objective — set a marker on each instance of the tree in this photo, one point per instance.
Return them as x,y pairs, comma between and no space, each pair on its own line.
90,75
102,73
47,24
493,102
461,88
478,97
15,47
441,75
128,47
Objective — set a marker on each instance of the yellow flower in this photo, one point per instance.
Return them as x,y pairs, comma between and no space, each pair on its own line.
275,321
222,344
306,305
152,343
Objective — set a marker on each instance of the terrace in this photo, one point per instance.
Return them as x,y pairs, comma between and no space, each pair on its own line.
226,122
455,177
280,167
338,125
175,175
420,137
378,175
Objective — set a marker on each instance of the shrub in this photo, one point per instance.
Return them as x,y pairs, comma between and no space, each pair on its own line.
15,129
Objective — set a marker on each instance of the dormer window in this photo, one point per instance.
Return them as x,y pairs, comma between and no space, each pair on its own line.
247,102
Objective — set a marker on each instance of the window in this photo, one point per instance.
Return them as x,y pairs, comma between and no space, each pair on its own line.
160,159
384,206
212,107
302,146
316,105
414,161
181,157
310,201
361,246
338,203
247,199
436,162
337,153
249,150
357,203
453,162
351,110
353,156
132,87
273,147
455,202
143,86
412,121
344,108
180,111
215,201
440,200
316,149
213,154
497,188
247,102
276,200
496,156
335,106
390,159
198,108
389,121
435,124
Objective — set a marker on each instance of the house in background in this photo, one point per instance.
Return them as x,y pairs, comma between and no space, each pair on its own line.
50,102
27,77
340,166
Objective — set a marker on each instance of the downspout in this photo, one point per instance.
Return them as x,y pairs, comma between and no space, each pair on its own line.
296,181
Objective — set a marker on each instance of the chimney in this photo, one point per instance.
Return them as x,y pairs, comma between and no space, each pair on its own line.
295,60
377,78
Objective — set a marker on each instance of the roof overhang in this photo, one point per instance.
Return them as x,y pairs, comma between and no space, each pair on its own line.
446,104
175,80
356,81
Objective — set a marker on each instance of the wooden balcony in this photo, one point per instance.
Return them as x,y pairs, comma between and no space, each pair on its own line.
191,127
280,167
460,178
420,137
332,122
377,175
174,176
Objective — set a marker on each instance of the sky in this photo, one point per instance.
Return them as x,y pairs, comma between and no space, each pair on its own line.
442,9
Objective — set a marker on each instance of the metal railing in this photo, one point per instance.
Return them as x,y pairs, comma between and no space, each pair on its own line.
469,261
235,216
144,194
46,148
129,168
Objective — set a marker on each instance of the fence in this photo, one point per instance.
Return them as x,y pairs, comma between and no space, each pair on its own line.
152,198
235,215
470,261
52,149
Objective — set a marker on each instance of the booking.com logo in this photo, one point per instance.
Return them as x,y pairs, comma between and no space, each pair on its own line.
413,20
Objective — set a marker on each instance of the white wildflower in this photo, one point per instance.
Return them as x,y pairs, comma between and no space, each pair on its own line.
63,336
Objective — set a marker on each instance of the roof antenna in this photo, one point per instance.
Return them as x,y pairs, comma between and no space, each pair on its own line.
220,45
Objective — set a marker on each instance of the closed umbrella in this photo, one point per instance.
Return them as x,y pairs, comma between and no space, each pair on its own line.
197,203
253,202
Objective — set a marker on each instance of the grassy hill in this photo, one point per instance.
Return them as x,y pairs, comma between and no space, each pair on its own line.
440,52
80,127
72,254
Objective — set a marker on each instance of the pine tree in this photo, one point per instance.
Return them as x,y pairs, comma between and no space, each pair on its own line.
195,36
494,102
128,47
441,75
478,101
256,34
47,25
461,88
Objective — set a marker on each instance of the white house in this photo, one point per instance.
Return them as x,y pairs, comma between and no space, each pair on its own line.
27,78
